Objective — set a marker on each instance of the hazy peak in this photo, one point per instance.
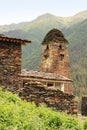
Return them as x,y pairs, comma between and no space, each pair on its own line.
46,15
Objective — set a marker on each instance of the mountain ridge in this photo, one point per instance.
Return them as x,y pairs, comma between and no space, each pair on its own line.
4,28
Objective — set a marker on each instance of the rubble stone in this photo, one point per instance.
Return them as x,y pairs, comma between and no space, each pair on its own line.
84,106
55,99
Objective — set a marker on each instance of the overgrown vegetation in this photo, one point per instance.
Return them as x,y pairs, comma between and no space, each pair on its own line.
16,114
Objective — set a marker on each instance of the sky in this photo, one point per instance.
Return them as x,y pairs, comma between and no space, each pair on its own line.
16,11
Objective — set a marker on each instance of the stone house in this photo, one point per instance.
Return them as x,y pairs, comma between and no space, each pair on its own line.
55,66
50,80
10,62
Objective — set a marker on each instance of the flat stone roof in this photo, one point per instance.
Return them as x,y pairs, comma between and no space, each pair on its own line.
4,38
43,75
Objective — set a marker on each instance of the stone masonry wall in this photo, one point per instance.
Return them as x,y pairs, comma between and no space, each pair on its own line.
54,64
56,60
55,99
84,106
10,65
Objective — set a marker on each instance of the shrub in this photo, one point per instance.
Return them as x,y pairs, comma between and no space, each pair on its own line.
85,125
72,123
16,114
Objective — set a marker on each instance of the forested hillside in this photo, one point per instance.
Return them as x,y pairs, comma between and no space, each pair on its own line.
75,31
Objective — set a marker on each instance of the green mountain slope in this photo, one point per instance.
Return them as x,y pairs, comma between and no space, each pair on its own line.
74,20
78,56
75,31
77,36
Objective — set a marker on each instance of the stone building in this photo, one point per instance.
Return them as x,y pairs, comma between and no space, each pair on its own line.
51,85
55,65
50,80
55,56
10,62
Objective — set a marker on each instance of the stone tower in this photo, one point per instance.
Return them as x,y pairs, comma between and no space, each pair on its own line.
55,56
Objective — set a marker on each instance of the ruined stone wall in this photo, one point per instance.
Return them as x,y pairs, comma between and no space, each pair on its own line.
84,106
55,99
10,65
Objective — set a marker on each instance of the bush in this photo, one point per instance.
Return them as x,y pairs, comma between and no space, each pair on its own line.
85,125
72,123
16,114
50,118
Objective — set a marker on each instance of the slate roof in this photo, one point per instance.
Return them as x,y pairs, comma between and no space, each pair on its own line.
4,38
54,35
39,74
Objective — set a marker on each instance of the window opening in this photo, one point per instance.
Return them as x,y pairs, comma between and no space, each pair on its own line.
50,84
47,47
61,57
46,52
60,47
